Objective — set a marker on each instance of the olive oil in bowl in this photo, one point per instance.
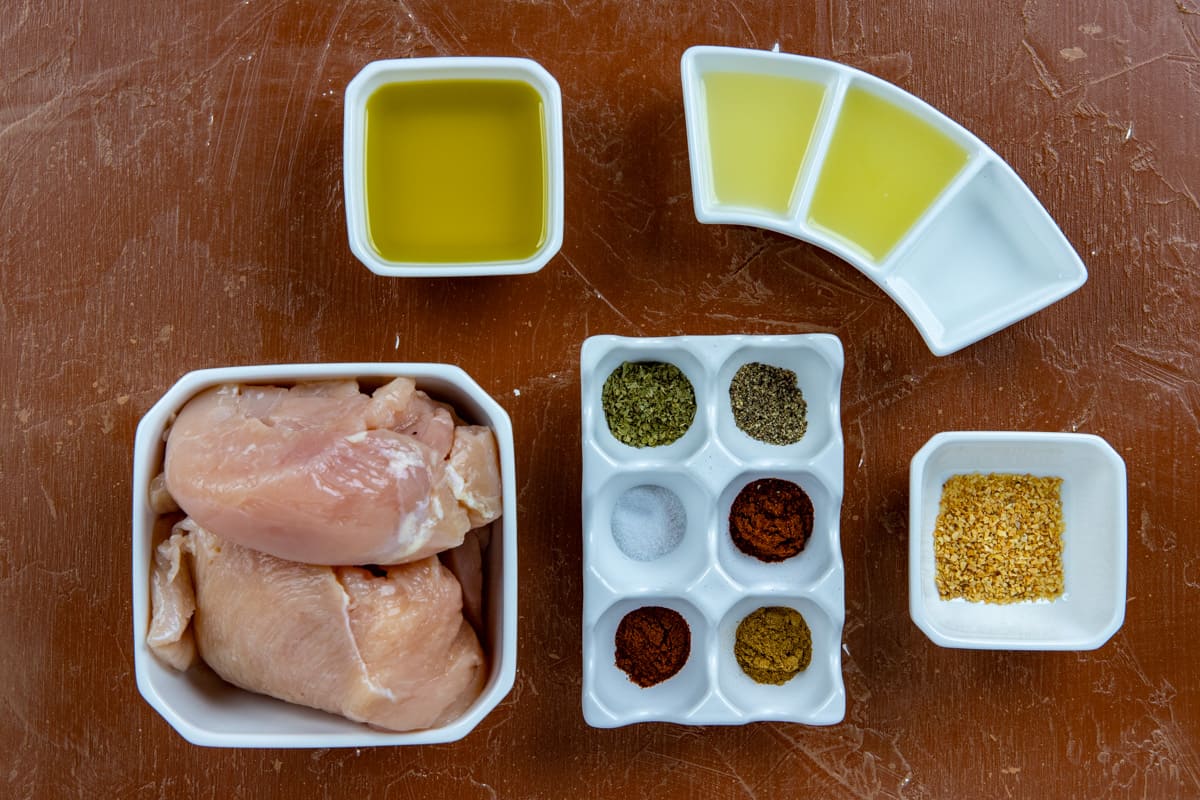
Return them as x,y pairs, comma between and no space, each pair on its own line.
885,167
759,129
456,171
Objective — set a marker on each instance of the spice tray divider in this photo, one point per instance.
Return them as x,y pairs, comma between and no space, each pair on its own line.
705,578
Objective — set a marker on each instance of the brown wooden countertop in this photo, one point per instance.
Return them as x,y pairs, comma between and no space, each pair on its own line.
171,198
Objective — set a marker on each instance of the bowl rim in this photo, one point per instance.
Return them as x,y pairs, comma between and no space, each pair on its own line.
450,68
147,453
1103,452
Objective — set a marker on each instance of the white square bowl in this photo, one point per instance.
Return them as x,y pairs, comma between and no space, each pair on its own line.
1092,606
207,711
401,70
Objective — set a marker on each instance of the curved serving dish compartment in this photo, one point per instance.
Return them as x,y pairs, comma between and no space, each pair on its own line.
983,255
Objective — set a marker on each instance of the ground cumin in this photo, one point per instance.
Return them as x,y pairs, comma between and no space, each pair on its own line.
773,645
771,519
652,644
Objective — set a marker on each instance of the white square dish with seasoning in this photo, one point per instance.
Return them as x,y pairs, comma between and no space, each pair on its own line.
1091,606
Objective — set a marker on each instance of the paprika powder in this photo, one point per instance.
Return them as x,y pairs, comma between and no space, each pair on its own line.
652,644
771,519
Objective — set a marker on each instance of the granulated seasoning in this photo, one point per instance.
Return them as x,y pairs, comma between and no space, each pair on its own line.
648,522
648,403
998,538
773,644
767,404
652,644
771,519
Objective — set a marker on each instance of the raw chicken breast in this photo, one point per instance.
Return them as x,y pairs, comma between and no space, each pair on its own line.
466,563
324,474
473,474
390,650
173,600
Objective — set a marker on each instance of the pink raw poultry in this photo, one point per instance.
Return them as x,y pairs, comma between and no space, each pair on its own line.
386,647
323,474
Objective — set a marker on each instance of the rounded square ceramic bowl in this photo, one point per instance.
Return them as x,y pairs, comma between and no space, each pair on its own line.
450,71
1092,606
703,576
207,711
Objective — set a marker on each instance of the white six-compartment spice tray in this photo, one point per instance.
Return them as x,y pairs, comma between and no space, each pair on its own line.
700,573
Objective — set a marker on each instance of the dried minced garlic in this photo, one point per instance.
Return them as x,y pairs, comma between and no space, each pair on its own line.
998,538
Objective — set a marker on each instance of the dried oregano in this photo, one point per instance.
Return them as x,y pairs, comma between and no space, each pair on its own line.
768,404
648,403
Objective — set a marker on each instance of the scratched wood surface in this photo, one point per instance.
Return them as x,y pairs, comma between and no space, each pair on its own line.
171,198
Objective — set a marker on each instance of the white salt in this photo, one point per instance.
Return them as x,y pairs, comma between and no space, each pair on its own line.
648,522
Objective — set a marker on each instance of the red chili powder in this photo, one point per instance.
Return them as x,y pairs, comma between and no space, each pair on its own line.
771,519
653,643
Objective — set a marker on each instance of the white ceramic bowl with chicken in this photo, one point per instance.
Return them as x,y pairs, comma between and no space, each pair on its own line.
208,711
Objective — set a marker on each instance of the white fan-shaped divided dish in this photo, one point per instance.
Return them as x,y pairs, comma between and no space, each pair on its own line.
706,578
982,255
207,711
1092,606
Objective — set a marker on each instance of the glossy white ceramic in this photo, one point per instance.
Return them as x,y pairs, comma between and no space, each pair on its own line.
706,578
983,255
1092,606
207,711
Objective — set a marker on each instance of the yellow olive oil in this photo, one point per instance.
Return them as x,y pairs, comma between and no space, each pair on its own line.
456,171
759,128
885,166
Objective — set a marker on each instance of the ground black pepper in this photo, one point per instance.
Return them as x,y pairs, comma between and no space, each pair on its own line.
767,404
